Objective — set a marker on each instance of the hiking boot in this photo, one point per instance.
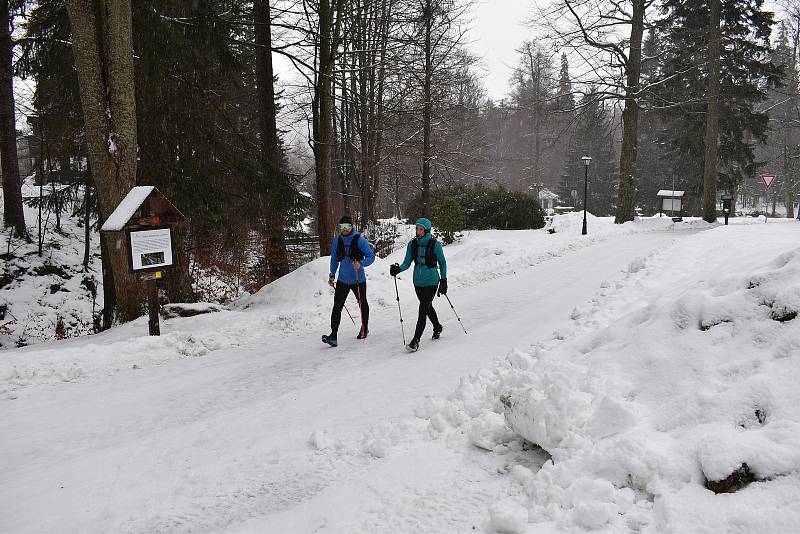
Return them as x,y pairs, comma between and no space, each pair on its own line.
330,340
363,333
413,346
437,331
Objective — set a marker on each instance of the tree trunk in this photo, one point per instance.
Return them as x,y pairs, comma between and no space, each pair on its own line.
323,131
536,74
13,214
788,165
344,150
712,116
103,49
109,292
426,113
364,117
87,223
378,123
626,202
278,187
330,20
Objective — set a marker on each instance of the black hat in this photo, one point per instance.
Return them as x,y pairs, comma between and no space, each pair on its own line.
345,220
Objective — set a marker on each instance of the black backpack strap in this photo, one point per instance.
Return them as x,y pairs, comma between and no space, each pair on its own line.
354,254
355,251
430,253
340,249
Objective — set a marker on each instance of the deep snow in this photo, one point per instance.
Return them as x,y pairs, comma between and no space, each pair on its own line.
636,356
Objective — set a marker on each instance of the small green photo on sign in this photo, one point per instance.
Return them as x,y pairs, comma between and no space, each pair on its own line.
152,258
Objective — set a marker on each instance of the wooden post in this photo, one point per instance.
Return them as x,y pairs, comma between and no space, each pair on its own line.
152,303
150,279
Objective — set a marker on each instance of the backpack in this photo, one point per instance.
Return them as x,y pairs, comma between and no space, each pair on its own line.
430,255
355,254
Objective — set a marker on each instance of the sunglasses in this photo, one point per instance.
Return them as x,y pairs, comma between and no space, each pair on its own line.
345,226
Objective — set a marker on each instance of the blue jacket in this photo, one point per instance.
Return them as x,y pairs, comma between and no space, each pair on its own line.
347,272
424,275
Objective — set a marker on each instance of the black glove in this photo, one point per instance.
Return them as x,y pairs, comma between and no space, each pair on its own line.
442,287
394,269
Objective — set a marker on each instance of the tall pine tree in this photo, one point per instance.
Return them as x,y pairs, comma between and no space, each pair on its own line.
745,72
566,100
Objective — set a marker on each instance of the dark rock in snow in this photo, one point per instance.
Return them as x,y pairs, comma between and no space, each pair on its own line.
784,316
734,482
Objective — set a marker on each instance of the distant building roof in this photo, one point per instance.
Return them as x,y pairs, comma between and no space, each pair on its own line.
546,193
672,194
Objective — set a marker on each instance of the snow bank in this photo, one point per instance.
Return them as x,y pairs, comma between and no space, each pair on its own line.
698,378
572,223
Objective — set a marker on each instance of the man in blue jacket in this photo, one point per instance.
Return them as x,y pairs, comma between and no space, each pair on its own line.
350,253
430,273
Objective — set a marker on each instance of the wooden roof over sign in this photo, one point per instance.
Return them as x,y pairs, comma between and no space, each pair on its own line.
130,210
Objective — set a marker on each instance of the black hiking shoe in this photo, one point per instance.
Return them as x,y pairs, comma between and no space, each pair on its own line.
330,340
413,346
363,333
437,331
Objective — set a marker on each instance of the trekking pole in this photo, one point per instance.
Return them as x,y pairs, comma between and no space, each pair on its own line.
454,311
396,292
348,313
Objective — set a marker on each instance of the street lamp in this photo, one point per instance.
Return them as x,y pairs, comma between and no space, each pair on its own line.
586,161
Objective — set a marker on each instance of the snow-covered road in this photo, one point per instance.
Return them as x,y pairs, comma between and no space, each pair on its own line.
198,443
243,422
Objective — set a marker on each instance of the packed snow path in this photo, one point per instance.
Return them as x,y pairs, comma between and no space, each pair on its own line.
275,432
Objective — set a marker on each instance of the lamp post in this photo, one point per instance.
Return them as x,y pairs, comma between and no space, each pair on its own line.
586,161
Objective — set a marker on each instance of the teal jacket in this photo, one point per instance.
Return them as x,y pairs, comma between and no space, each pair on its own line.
424,275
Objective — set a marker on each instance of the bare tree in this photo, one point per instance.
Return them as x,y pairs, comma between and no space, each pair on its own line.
607,36
434,38
533,80
369,77
328,36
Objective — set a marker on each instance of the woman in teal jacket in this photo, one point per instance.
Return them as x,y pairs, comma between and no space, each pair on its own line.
430,273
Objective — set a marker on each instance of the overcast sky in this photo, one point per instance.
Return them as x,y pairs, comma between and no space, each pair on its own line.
498,30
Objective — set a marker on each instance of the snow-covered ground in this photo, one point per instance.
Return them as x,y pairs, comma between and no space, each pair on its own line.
49,296
643,359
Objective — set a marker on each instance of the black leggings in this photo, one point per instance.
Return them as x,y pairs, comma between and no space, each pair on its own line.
425,295
342,290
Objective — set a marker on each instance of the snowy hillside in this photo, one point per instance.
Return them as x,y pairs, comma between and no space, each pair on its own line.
605,379
51,296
